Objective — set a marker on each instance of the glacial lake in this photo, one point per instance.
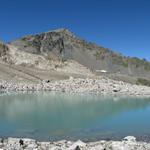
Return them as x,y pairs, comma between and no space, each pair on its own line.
57,116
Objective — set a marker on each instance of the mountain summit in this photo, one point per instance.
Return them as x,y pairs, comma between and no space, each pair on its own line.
61,45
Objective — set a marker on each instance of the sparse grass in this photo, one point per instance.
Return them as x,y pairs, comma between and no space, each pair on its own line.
132,61
97,55
118,59
125,64
141,81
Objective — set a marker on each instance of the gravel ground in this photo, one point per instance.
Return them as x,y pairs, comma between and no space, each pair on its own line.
102,85
128,143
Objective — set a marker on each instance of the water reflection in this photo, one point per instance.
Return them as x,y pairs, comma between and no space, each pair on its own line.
59,115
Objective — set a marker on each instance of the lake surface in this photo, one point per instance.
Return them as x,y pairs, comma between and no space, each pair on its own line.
56,116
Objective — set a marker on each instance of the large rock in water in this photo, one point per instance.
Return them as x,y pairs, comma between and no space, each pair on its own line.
63,44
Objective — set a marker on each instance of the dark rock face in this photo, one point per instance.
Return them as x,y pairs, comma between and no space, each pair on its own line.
21,142
77,148
62,44
3,49
43,43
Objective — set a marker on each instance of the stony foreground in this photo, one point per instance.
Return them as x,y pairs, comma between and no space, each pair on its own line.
128,143
101,85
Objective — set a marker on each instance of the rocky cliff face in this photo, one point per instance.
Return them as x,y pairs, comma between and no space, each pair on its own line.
4,50
62,45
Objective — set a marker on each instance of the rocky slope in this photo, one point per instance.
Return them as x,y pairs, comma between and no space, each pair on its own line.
62,45
64,53
22,66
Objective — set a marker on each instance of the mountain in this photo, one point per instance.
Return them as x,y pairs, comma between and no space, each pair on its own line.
61,45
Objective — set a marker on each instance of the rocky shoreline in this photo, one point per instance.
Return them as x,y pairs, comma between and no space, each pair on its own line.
128,143
102,85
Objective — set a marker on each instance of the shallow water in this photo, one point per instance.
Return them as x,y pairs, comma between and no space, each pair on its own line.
56,116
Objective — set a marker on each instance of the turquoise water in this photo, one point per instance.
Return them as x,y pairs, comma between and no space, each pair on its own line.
55,116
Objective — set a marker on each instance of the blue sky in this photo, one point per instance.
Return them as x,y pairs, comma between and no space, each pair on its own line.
121,25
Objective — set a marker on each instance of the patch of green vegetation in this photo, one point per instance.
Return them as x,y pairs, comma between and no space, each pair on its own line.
104,50
141,81
24,39
133,61
97,55
100,55
140,62
147,66
120,60
125,64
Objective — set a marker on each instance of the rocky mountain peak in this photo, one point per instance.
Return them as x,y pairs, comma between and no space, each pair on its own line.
55,41
63,31
61,44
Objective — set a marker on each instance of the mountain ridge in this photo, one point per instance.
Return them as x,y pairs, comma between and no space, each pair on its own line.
65,30
62,45
58,40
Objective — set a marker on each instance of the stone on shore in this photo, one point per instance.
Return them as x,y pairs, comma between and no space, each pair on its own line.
128,143
77,145
103,86
130,139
